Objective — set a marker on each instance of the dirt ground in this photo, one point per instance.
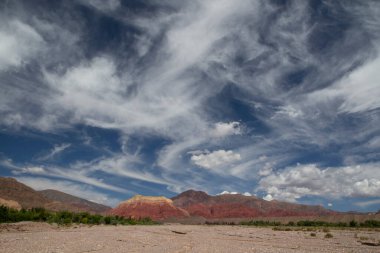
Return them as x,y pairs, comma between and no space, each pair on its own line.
45,238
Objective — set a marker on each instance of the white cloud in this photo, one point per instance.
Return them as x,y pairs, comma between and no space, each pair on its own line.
364,204
215,158
359,90
266,170
30,170
227,192
225,129
247,194
75,189
19,42
72,174
57,149
303,180
329,204
289,111
103,5
268,197
170,94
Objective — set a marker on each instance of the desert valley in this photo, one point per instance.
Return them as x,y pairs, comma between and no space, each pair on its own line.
188,222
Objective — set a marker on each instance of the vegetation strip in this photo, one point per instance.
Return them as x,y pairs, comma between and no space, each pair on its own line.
308,223
66,218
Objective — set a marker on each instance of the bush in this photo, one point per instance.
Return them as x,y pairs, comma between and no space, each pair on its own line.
107,220
353,223
326,230
328,235
308,223
313,234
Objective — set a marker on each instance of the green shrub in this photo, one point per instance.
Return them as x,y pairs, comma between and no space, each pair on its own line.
353,223
328,235
313,234
107,220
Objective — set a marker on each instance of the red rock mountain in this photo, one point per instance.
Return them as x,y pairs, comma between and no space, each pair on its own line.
26,197
199,203
157,208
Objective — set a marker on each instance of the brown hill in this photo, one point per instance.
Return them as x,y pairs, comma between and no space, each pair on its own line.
157,208
76,203
11,189
26,197
199,203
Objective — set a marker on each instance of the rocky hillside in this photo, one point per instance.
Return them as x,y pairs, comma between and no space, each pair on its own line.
11,189
198,203
157,208
75,202
18,194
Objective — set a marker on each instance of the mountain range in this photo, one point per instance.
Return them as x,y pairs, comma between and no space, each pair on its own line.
23,196
190,206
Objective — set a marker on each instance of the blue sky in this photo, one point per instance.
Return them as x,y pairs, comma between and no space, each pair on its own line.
279,99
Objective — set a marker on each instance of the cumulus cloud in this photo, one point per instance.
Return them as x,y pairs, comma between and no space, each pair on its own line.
225,129
268,197
267,169
227,192
247,194
216,158
310,180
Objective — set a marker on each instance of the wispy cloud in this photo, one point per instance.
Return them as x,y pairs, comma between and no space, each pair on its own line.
364,204
243,79
56,150
69,187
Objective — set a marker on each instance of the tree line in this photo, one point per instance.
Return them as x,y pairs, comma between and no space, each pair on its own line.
66,218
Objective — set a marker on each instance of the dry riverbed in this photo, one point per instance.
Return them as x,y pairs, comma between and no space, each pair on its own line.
45,238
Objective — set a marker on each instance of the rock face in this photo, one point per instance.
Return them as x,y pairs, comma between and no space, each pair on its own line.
26,197
157,208
199,203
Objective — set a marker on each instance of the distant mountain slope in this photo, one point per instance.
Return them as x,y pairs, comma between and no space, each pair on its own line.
76,202
157,208
199,203
11,189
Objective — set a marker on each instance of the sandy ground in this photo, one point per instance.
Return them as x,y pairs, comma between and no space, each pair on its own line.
41,237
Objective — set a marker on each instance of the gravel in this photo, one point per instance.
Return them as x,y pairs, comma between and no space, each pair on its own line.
45,238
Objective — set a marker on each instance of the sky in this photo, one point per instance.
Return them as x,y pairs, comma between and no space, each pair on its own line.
277,99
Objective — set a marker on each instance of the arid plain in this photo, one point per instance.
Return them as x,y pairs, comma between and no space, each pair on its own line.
44,238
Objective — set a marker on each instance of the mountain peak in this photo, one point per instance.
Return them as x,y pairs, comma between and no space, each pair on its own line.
150,199
192,194
157,208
